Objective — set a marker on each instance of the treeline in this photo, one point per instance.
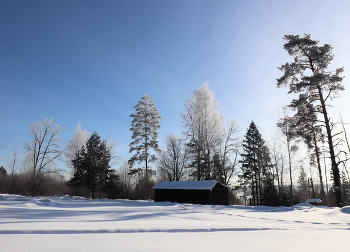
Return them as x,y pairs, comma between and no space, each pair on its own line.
273,172
20,183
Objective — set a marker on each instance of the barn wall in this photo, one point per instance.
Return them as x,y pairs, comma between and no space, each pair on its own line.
216,196
219,196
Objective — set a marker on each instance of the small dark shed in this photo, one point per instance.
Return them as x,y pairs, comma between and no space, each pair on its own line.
197,192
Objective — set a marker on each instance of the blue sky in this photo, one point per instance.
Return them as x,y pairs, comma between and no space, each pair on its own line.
91,61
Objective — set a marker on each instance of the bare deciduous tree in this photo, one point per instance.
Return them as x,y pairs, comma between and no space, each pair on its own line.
41,152
285,125
12,161
229,147
173,159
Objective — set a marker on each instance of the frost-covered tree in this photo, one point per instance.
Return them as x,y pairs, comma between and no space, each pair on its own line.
144,127
229,147
277,157
41,152
285,124
204,130
126,180
74,145
309,74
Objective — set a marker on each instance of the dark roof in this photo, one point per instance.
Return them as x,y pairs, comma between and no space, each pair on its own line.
189,185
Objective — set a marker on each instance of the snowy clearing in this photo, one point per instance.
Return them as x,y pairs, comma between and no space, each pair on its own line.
76,224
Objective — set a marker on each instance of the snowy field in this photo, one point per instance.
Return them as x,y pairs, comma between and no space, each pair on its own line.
76,224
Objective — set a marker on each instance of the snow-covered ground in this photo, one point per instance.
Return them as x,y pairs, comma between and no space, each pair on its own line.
76,224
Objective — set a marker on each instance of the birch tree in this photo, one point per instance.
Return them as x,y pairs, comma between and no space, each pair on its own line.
285,124
203,125
74,145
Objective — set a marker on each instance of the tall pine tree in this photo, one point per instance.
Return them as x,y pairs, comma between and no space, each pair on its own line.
144,126
309,74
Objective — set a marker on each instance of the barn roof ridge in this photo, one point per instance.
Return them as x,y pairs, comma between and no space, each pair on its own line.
188,185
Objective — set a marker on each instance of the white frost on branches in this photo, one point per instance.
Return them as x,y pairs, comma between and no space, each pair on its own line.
144,128
79,140
202,119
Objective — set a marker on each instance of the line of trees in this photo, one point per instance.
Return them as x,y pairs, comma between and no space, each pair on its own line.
263,172
308,76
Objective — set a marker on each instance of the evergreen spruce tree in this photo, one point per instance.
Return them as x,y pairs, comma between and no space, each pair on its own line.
144,126
308,74
345,186
269,195
92,168
303,186
251,162
113,186
3,171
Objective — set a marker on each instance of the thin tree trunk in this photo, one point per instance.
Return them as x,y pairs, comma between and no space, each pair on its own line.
346,138
282,172
276,167
325,169
319,165
290,171
253,190
335,169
